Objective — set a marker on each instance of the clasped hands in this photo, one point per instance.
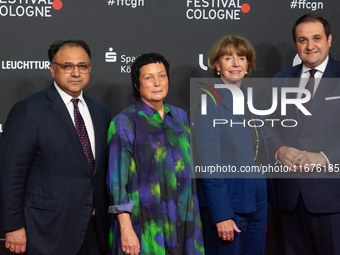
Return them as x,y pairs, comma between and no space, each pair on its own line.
300,160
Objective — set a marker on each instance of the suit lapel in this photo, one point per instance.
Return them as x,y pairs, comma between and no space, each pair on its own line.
61,113
96,120
327,82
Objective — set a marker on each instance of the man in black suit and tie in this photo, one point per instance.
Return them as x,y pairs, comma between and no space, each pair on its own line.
53,197
310,206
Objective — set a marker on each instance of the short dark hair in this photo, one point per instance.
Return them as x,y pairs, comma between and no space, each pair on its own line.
141,61
312,17
55,47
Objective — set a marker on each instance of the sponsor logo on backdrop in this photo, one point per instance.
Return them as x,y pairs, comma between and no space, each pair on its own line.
201,62
216,9
29,8
24,65
110,56
123,60
126,3
306,5
203,66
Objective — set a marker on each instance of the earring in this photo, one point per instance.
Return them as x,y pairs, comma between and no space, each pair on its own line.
246,72
218,73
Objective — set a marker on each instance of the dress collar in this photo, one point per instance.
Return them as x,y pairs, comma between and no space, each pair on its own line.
149,111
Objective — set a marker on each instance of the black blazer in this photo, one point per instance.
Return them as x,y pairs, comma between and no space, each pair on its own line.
46,184
319,132
224,145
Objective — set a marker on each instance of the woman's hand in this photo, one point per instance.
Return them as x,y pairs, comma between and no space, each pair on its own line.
129,239
16,241
226,228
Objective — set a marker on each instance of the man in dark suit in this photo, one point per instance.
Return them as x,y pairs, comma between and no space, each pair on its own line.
53,197
310,206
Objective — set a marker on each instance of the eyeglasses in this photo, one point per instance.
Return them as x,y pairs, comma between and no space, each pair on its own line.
69,67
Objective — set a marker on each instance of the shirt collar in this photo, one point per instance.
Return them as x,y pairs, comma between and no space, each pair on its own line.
321,68
149,111
66,97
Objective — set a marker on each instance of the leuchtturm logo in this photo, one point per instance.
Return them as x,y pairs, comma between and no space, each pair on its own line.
238,103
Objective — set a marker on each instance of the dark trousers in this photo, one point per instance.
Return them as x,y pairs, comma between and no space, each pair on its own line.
310,233
252,238
91,245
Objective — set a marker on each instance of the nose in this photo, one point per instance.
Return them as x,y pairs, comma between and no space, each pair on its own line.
75,71
157,82
235,62
310,45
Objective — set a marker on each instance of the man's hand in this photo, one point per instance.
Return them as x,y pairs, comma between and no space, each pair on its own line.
16,241
296,159
226,228
305,158
287,156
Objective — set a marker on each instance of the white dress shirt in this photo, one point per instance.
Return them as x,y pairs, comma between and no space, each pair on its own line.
305,74
84,111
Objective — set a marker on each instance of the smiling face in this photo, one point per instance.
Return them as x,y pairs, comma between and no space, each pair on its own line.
154,83
312,44
72,83
232,67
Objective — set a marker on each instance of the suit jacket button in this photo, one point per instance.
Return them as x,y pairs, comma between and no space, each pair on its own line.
89,205
302,136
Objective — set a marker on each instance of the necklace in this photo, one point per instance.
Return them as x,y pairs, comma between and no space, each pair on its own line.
257,139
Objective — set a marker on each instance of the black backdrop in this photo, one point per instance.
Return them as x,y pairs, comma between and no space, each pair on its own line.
120,30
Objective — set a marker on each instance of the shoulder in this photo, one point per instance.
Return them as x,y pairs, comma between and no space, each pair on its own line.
178,112
126,117
94,103
128,113
122,124
333,68
289,72
38,96
332,61
36,100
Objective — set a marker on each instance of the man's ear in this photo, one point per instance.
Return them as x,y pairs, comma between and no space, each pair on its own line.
52,70
329,39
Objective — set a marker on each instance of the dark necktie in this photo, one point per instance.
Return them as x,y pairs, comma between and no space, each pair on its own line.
310,87
82,134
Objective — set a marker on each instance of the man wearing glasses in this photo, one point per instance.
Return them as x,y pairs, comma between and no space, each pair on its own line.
53,197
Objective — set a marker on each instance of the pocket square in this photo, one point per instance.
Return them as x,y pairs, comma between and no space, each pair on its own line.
332,98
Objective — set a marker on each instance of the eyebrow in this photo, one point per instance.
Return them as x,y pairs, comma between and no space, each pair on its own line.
312,36
75,63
